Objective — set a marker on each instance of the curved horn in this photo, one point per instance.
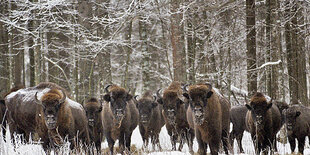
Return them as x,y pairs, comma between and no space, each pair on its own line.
185,87
135,97
107,88
209,85
155,98
63,99
157,93
36,98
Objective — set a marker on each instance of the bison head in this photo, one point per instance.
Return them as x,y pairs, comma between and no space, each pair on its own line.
51,103
171,101
198,99
259,107
291,114
93,109
145,106
118,98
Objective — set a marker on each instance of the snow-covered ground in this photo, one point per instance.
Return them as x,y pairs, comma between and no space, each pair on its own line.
7,148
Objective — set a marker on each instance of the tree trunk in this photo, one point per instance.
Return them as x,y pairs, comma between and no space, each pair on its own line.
301,50
177,42
251,47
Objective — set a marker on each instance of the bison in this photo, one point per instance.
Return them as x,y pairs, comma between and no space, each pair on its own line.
263,120
174,113
150,118
298,126
94,115
45,109
120,117
210,116
237,118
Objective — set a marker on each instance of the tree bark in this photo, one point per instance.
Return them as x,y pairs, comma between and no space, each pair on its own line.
177,42
251,47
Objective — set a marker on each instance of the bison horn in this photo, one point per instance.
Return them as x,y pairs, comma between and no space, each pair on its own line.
63,99
107,88
155,98
157,93
185,87
36,98
209,85
135,97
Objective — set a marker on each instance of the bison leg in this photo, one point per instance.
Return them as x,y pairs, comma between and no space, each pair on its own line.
225,141
292,143
301,144
182,139
202,147
128,140
189,139
232,136
239,141
110,142
173,139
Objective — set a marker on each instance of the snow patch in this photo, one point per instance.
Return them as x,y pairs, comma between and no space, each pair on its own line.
28,94
74,104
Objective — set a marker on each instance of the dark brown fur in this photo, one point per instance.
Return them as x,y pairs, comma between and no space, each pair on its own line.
298,126
268,118
120,117
237,118
26,116
94,115
210,114
174,113
151,120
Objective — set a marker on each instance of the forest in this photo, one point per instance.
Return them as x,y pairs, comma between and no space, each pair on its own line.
238,46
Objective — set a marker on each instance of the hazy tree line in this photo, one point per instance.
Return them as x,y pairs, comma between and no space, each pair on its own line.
261,45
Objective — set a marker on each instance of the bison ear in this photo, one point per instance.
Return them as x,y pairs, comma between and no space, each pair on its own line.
209,94
128,97
269,105
186,95
100,109
160,101
2,102
107,97
248,107
297,113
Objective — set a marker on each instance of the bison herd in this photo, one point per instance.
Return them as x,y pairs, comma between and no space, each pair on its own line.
188,111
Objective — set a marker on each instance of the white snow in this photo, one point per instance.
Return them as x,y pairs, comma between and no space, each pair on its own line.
74,104
28,94
20,148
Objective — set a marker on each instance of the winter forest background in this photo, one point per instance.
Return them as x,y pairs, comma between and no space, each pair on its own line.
239,46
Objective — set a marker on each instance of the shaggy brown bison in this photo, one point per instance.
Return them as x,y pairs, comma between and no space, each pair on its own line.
210,116
263,121
94,115
120,117
45,109
174,113
298,126
150,119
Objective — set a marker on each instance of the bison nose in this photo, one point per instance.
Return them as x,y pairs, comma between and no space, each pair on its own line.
259,119
171,112
91,122
198,111
119,112
289,126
